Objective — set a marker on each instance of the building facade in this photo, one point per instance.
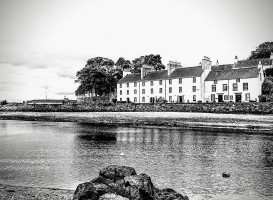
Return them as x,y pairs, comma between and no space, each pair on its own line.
237,82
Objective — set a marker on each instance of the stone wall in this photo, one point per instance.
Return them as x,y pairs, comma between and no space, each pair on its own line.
234,108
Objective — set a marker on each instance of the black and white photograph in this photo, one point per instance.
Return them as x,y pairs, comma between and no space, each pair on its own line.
136,100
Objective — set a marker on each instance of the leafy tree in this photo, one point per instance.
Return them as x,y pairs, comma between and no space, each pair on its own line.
269,72
267,86
153,60
95,77
4,102
262,51
123,64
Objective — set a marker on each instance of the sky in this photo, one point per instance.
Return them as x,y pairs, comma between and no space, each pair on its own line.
43,43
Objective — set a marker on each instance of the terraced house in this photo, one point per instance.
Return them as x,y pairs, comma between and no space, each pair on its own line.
237,82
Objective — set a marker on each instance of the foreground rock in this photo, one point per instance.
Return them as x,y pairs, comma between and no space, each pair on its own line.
123,182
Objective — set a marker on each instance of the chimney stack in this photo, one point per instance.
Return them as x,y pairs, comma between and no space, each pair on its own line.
217,63
235,60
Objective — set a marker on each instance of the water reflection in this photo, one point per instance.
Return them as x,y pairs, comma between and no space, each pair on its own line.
65,154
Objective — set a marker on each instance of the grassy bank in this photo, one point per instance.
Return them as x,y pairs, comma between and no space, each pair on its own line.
196,121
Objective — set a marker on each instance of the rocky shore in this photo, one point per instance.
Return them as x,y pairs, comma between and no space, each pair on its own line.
9,192
196,121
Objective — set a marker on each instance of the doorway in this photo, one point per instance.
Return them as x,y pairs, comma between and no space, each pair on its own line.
238,98
220,98
180,99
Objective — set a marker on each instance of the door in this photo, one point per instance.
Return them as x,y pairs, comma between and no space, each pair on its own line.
238,98
127,100
152,99
180,99
220,98
213,98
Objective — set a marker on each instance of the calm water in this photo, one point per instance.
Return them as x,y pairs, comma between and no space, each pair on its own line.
62,155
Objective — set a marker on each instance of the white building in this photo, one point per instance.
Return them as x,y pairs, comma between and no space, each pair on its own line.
238,82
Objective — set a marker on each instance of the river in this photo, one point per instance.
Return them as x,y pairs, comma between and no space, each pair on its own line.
64,154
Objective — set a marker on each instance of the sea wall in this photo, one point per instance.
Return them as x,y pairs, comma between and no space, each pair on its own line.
230,108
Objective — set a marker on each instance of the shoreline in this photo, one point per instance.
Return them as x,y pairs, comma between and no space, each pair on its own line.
179,120
23,192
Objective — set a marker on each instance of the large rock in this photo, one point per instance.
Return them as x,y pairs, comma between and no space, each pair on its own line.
123,182
116,172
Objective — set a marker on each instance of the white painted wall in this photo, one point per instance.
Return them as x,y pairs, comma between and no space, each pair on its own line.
254,88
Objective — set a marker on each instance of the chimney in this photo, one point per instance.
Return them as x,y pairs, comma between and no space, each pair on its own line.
206,63
200,63
235,60
217,63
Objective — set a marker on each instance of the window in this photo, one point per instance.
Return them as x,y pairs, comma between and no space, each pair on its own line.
135,91
180,89
160,82
151,83
180,80
152,90
120,85
127,92
194,97
160,90
170,81
213,88
225,97
247,96
194,80
213,97
135,84
170,89
120,92
224,87
231,97
215,81
235,87
143,91
143,83
170,98
245,86
120,99
194,88
127,84
237,80
143,99
135,99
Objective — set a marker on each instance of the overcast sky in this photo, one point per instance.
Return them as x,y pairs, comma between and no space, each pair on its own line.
44,43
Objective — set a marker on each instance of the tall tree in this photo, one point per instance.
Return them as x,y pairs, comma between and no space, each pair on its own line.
262,51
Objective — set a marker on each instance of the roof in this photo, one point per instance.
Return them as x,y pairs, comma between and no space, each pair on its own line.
222,67
156,75
129,78
242,73
253,62
187,72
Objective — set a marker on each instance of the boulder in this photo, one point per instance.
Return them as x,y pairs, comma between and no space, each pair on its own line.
122,181
116,172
